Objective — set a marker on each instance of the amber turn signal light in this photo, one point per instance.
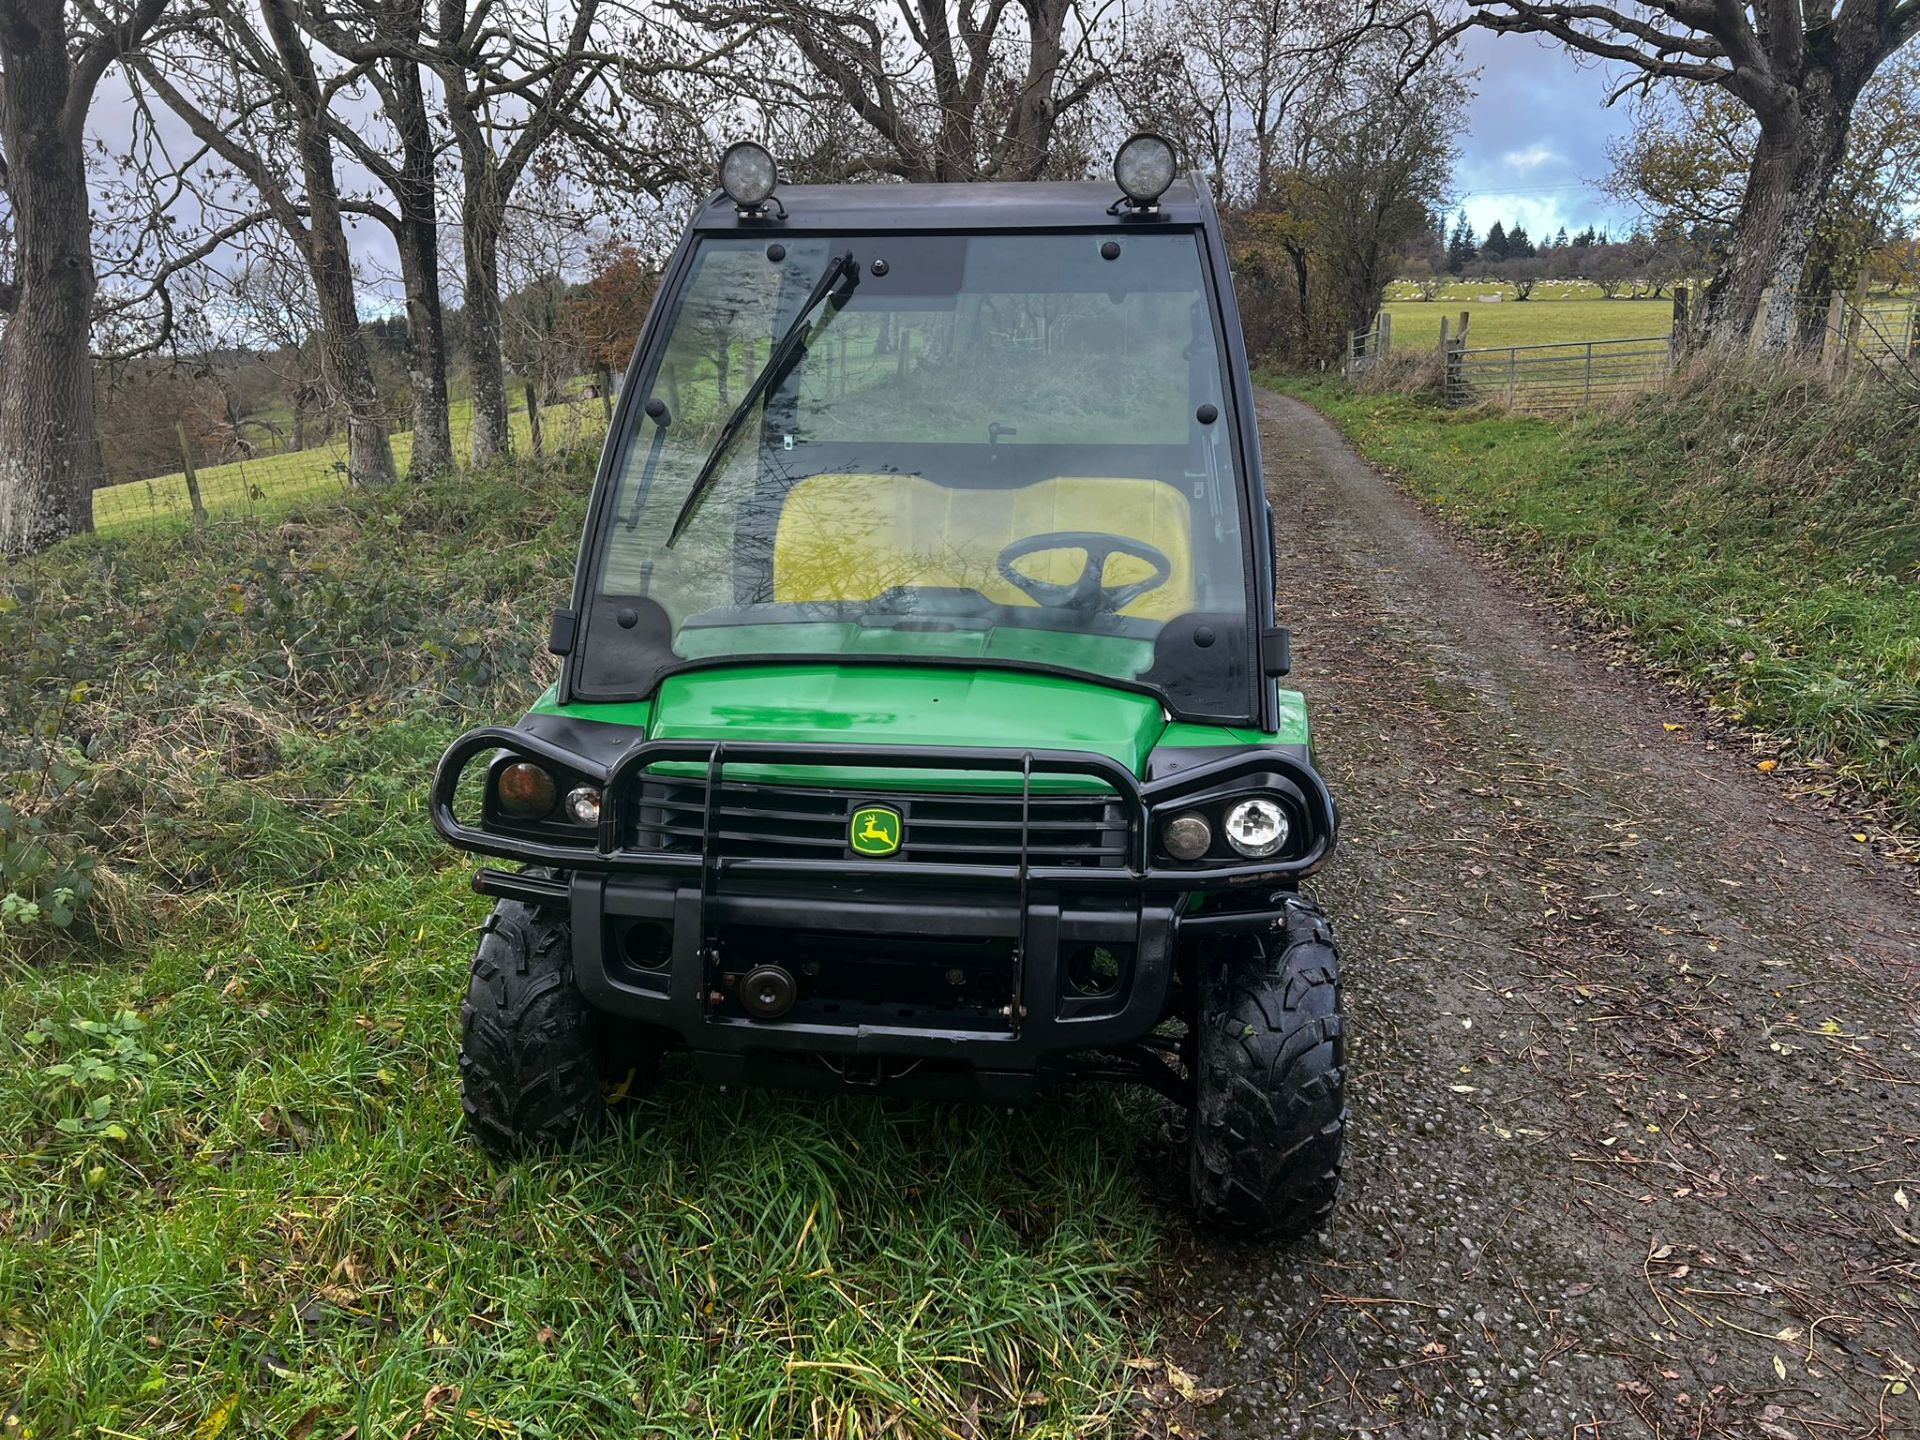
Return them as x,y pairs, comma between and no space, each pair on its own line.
525,791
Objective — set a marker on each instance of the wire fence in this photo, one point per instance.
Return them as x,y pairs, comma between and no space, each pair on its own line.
212,481
1848,334
1884,336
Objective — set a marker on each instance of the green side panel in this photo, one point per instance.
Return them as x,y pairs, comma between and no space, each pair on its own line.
1293,728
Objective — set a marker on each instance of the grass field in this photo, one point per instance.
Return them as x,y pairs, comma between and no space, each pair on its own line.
235,1198
271,482
1750,531
1539,321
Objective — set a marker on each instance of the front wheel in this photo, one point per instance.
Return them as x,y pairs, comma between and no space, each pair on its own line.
1269,1115
531,1049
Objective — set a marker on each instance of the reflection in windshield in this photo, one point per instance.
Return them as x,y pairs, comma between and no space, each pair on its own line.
996,450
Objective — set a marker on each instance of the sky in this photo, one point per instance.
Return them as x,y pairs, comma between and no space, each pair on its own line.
1536,147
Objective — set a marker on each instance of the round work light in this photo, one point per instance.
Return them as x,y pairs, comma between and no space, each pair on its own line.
748,174
1187,836
1256,827
525,791
1144,167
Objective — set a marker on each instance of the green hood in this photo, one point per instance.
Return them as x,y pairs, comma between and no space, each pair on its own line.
907,705
918,705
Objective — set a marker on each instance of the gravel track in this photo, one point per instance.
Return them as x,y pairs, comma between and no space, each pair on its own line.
1635,1145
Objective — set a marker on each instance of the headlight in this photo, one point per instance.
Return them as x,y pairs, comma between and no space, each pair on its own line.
1256,827
525,791
1186,836
583,804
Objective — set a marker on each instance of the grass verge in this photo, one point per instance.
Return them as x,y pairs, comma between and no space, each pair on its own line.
1751,531
234,1195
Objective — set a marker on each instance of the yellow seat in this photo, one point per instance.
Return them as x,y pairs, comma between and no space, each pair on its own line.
854,536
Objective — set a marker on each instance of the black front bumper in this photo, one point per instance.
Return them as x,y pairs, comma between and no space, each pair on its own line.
704,916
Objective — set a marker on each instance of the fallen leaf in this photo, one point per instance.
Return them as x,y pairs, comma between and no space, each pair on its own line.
1779,1367
1670,727
219,1419
1191,1390
1767,767
1900,1199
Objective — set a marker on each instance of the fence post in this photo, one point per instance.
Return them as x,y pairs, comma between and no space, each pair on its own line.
1833,340
193,476
1586,397
1386,335
1677,336
533,416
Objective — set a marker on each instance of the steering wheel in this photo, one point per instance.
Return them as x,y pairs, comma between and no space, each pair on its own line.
1087,593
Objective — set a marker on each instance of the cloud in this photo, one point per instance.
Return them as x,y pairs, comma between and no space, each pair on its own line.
1531,158
1538,131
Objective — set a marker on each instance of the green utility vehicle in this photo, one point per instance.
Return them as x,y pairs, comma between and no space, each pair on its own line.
917,727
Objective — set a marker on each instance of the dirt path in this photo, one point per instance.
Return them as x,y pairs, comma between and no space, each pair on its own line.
1636,1099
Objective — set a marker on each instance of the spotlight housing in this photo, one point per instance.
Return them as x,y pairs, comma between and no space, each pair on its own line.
1257,827
1143,167
748,176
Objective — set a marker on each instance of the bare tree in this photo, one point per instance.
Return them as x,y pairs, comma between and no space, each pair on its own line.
942,89
52,59
257,100
1798,65
385,43
584,74
1251,76
1376,177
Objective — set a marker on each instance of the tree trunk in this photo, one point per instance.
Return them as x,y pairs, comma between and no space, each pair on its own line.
419,244
49,453
343,350
480,227
1793,166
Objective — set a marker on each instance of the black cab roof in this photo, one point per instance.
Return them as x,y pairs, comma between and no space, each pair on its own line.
985,205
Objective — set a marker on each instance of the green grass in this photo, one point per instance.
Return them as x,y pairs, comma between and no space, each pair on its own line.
269,483
1753,533
1539,321
234,1194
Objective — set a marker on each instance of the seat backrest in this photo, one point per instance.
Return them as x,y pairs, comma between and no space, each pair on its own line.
851,536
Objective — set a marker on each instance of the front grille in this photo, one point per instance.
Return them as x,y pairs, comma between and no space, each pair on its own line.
782,822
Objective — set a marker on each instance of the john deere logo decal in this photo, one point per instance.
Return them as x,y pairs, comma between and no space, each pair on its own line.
875,830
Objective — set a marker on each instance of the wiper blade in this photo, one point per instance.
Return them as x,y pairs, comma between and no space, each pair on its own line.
786,353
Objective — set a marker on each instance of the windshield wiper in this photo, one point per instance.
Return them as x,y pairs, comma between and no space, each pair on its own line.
786,353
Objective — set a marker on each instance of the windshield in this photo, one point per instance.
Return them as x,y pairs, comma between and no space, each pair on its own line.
1007,448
